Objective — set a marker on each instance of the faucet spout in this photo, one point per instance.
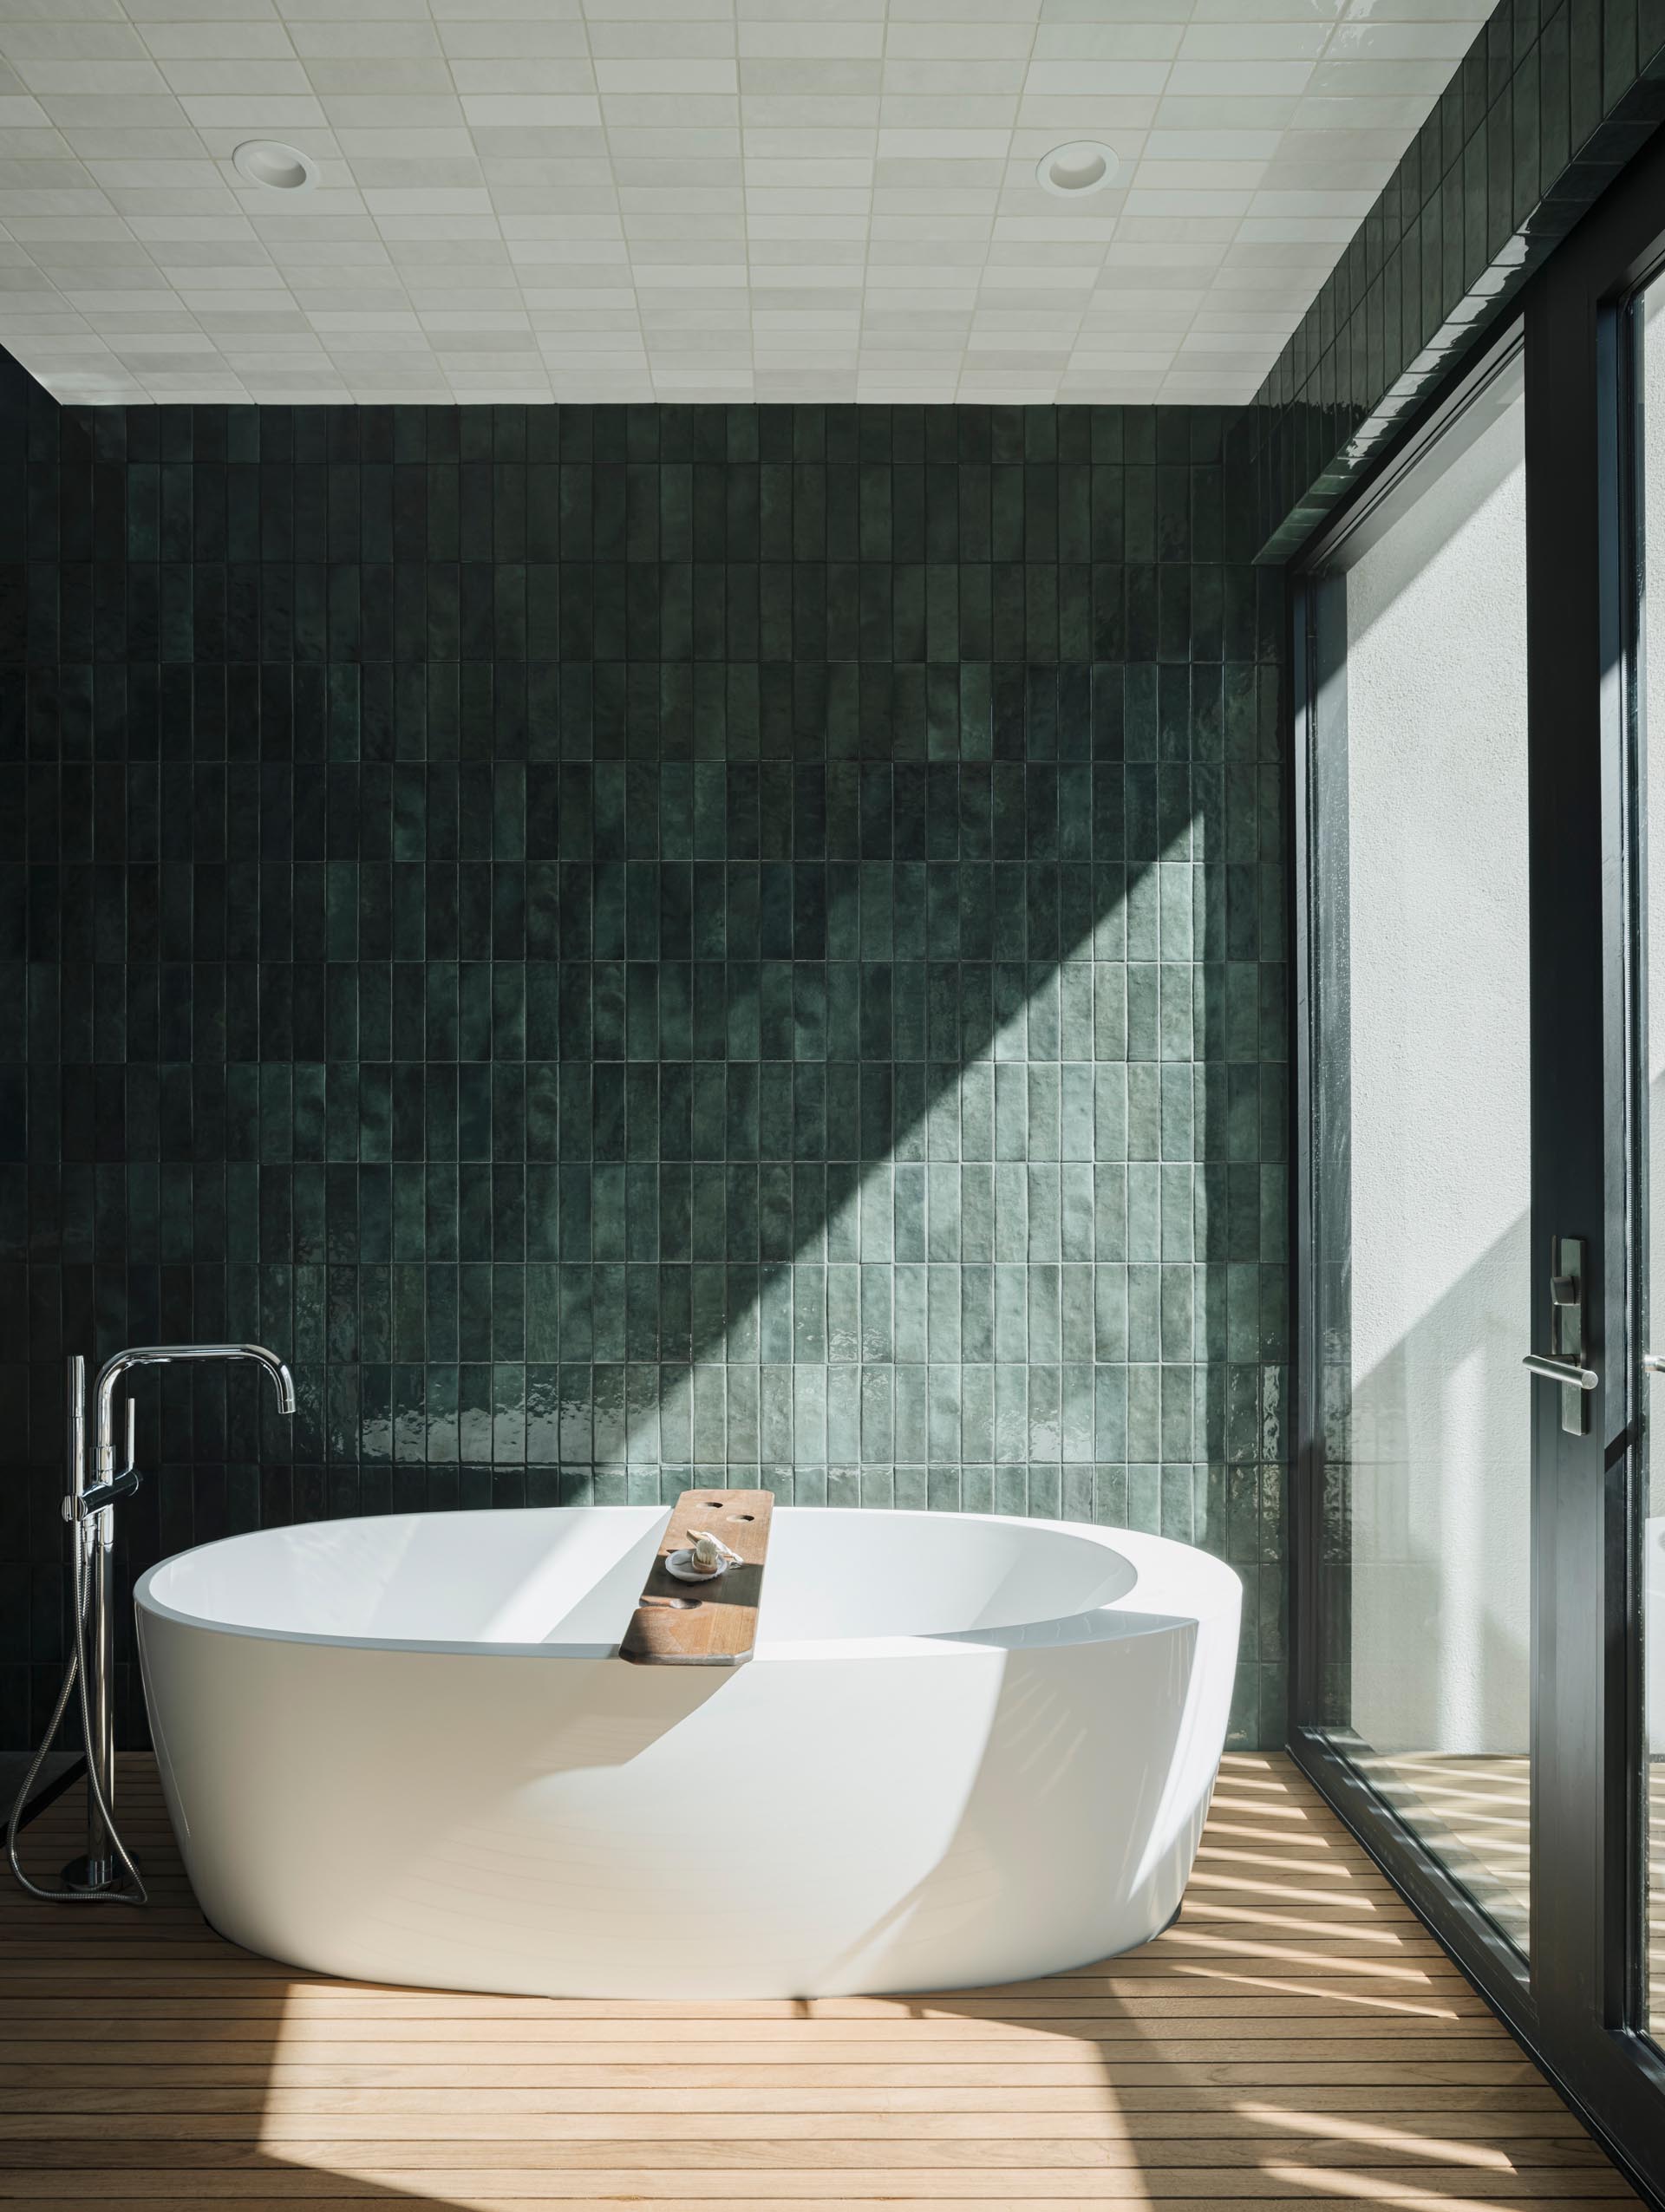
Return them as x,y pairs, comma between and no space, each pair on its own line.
282,1381
159,1355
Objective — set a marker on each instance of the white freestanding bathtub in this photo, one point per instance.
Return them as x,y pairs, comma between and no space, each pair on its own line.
968,1749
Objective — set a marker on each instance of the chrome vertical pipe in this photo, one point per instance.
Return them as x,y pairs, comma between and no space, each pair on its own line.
74,1424
93,1535
100,1538
98,1529
94,1628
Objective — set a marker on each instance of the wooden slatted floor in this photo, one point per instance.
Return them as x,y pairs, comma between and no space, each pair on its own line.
1295,2039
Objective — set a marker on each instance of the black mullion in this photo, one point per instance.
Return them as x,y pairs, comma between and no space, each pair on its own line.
1572,1046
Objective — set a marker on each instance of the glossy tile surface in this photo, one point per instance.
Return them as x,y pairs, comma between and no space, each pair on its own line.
639,940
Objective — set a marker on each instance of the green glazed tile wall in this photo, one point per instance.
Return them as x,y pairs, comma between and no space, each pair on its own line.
626,941
1551,100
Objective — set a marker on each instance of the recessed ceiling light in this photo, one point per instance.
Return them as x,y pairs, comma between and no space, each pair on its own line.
280,168
1085,165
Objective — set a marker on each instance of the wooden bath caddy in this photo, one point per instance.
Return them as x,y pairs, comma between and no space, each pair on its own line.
704,1624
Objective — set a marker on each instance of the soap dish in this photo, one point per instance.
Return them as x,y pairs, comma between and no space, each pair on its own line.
681,1564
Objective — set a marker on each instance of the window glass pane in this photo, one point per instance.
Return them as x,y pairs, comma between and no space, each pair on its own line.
1420,889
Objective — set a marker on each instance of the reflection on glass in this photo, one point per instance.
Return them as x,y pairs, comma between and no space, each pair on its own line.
1651,701
1421,875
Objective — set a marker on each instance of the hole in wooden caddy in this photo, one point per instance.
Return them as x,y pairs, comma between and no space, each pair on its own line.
669,1629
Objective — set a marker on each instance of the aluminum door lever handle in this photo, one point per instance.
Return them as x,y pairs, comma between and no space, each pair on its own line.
1562,1371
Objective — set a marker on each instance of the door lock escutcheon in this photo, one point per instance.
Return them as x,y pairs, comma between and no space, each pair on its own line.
1565,1362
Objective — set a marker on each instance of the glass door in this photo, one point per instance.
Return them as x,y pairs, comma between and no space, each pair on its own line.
1418,806
1480,1561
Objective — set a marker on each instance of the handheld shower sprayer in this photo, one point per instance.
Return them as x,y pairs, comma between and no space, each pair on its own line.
90,1507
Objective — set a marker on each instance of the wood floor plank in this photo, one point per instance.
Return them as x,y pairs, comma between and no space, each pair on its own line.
899,2147
1294,2038
441,2135
485,2190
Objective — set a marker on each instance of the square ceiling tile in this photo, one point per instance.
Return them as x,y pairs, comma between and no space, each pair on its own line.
610,200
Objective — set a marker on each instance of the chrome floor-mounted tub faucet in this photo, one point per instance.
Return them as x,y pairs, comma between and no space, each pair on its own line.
106,1873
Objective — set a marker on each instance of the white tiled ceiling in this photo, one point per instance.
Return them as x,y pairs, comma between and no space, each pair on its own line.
689,199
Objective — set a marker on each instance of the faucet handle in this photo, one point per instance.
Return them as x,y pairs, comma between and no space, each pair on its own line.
120,1482
100,1494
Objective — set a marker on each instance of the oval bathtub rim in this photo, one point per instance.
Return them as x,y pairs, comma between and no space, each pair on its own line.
1196,1588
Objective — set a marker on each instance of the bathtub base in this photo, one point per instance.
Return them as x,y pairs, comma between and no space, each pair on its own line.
681,1992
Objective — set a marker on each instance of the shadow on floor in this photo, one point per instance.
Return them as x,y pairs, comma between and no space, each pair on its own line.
1294,2038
